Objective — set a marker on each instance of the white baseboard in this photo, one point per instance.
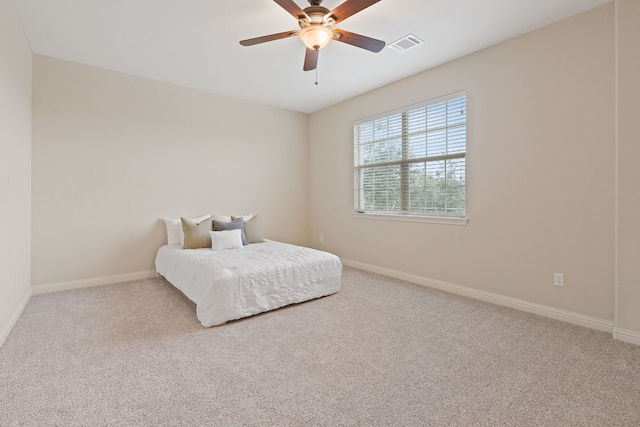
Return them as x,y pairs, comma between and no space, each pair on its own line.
529,307
6,330
630,337
97,281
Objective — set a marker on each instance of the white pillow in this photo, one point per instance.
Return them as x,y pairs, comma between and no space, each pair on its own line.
229,218
227,239
175,234
222,218
246,217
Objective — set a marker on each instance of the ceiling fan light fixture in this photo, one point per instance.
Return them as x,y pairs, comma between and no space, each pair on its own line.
316,36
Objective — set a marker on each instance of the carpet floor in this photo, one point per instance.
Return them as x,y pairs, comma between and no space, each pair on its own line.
382,352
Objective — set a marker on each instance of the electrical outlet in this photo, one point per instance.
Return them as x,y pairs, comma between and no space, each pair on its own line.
558,279
321,238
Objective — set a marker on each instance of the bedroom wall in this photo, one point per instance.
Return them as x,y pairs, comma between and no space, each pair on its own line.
540,172
15,169
628,212
113,153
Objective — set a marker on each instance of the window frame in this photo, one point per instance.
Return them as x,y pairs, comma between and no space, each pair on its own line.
404,213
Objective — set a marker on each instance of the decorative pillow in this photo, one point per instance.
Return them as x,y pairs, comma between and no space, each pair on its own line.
246,217
175,235
228,239
222,218
237,224
253,230
196,236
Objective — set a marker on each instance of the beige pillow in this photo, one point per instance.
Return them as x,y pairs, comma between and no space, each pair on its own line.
253,230
175,235
196,235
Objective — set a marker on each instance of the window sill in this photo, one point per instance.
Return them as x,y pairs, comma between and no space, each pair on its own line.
447,220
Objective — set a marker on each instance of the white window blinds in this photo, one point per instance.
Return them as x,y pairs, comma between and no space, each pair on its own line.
412,160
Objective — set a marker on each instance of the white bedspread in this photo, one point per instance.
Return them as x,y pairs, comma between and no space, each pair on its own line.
235,283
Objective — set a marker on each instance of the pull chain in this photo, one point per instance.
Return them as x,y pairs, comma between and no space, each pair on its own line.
316,76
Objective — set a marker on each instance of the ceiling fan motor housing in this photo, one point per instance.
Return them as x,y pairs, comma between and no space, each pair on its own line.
316,15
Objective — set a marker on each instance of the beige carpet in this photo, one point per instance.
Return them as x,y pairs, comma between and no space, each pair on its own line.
380,353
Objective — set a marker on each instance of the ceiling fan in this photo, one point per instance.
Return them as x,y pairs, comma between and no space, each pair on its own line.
315,28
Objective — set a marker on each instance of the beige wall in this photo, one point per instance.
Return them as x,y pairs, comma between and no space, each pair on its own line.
15,168
540,171
628,213
113,153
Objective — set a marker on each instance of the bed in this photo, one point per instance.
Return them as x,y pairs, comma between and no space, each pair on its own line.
231,284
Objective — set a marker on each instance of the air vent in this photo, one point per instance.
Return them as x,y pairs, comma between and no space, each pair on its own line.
405,43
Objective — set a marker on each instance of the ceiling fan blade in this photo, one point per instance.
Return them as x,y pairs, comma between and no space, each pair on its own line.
348,8
358,40
295,10
310,60
271,37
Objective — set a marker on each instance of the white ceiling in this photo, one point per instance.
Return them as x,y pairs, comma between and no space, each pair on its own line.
194,43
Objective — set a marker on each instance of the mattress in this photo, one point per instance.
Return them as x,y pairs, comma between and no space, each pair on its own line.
236,283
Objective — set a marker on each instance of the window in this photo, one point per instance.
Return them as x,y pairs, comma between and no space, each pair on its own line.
412,161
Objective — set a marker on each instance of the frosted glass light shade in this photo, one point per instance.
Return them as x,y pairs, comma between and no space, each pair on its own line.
316,36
